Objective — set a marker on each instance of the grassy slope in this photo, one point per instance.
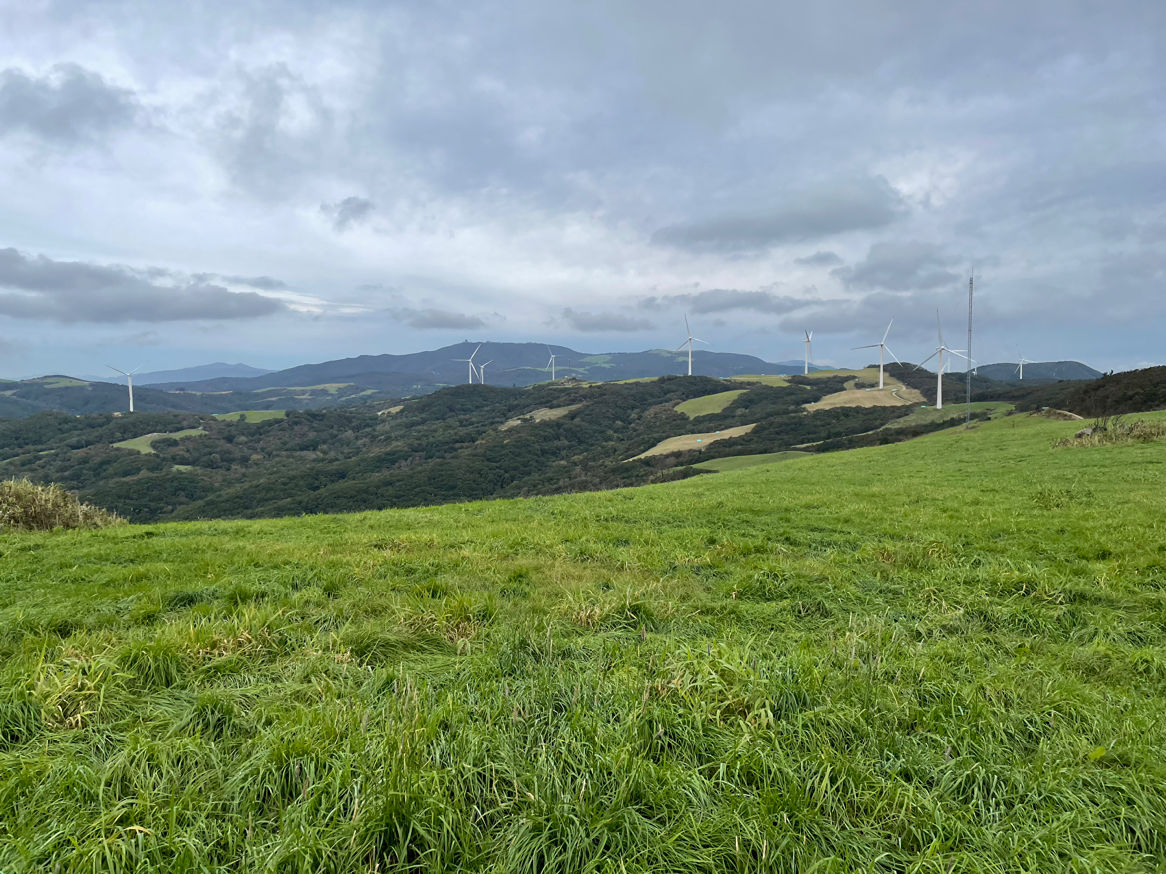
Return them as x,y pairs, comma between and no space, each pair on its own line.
943,655
739,462
145,443
709,404
253,415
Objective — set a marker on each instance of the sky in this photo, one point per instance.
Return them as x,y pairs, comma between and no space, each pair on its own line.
278,183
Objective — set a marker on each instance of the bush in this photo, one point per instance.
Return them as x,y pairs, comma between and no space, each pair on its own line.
28,506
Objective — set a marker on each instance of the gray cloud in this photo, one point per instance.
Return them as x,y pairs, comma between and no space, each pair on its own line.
70,105
348,212
819,259
433,319
263,283
899,267
834,208
601,322
72,291
719,300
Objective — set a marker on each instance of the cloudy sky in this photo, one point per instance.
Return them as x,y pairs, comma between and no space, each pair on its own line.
283,182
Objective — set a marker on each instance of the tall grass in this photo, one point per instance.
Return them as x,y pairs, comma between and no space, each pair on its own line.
947,655
29,506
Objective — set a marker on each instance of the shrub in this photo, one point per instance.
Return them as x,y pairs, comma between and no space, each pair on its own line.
29,506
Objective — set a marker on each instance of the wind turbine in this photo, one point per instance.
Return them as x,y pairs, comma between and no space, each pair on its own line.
691,339
882,348
809,336
939,350
482,371
129,381
1020,367
550,365
470,362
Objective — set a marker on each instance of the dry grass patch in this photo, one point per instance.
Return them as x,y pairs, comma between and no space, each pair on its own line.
28,506
545,414
694,441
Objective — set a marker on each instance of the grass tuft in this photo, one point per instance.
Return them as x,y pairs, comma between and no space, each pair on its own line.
29,506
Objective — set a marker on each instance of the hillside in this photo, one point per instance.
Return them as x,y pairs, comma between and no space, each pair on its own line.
944,655
466,442
1043,370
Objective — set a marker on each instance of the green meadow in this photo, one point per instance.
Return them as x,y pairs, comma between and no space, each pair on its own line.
935,656
145,443
252,415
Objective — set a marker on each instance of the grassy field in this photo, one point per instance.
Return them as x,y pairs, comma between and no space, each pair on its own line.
740,462
937,656
765,379
925,414
253,415
709,404
145,443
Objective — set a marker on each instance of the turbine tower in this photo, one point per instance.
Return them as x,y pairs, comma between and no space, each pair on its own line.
691,339
550,365
943,364
129,381
809,337
470,362
1020,366
882,348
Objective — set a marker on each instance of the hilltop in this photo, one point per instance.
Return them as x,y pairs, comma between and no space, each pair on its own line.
947,650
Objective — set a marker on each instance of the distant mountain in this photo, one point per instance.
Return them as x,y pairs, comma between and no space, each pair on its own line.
518,364
218,370
1009,371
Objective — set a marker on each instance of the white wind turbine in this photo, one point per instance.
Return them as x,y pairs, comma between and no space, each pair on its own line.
691,339
809,337
129,381
1020,366
470,362
482,371
943,365
550,365
882,348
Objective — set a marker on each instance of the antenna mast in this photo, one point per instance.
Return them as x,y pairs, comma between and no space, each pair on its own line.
968,414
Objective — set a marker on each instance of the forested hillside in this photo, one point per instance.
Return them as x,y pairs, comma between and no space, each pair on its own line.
461,443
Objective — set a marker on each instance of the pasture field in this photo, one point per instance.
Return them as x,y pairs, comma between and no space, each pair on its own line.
709,404
694,441
252,415
936,656
145,443
740,462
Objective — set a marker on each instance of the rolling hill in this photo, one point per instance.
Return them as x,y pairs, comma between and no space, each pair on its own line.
1050,370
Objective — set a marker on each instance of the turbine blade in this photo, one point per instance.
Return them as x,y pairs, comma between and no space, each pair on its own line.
687,329
891,322
698,340
938,326
893,355
681,346
122,372
871,346
928,358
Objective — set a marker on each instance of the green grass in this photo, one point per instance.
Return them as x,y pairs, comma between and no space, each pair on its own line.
942,655
61,382
924,415
252,415
145,443
740,462
765,379
709,404
331,387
